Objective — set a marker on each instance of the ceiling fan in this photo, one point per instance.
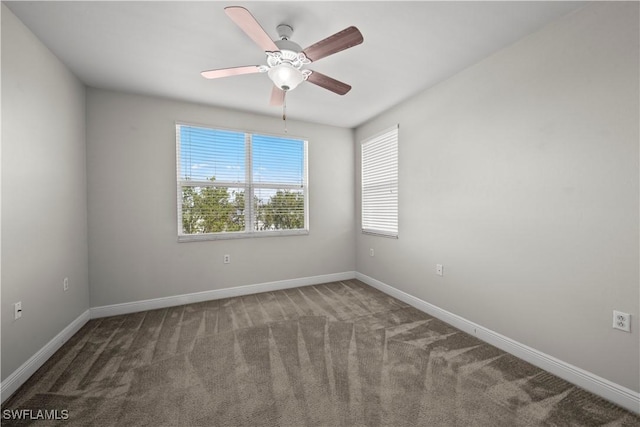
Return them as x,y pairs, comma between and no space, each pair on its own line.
286,59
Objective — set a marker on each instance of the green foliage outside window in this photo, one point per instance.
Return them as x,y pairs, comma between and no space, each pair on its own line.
283,211
221,209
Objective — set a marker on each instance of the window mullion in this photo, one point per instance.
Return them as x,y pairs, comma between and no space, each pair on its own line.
305,182
249,218
178,177
278,186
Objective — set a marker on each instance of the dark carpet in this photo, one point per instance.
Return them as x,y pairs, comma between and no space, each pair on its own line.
338,354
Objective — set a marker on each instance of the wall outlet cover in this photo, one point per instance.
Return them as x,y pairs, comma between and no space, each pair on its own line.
621,321
17,310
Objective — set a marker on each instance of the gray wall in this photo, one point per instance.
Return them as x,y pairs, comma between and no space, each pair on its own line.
133,249
44,202
520,176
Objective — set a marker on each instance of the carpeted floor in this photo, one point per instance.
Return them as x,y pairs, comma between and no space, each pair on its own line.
335,354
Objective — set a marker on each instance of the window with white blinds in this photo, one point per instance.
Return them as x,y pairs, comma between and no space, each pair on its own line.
380,184
220,171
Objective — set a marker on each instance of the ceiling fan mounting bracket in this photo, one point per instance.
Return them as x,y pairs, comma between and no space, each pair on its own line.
284,31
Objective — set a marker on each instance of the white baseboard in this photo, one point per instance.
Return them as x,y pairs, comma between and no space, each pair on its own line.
152,304
604,388
28,368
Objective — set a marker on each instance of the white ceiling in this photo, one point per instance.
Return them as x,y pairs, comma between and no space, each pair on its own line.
159,48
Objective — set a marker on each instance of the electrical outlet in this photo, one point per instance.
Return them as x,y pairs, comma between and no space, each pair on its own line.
17,310
65,284
371,252
621,321
227,259
439,269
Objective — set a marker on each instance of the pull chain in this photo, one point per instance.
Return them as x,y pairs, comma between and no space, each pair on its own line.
284,111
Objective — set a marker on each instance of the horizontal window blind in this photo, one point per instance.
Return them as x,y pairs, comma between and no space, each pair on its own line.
380,184
278,166
211,155
279,209
277,160
218,170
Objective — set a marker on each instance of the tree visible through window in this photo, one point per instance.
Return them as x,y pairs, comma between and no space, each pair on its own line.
219,170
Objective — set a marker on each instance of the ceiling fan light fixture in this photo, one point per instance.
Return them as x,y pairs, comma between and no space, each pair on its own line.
285,76
285,58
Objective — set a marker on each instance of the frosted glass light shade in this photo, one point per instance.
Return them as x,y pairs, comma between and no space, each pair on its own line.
285,76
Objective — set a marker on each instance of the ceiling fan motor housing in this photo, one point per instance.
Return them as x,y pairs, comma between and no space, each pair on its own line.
289,52
285,65
288,45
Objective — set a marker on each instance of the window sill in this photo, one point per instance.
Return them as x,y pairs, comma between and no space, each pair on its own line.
380,234
183,238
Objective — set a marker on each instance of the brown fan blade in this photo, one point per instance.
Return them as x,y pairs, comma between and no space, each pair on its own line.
245,20
328,83
226,72
277,97
340,41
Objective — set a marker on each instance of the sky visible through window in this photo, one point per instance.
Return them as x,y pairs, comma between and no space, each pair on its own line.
210,153
220,154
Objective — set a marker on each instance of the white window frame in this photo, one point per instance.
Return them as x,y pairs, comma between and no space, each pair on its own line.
249,190
379,167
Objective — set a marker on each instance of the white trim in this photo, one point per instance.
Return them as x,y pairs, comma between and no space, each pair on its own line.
182,238
379,233
602,387
28,368
152,304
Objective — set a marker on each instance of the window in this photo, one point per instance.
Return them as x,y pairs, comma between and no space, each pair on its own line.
220,171
380,184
